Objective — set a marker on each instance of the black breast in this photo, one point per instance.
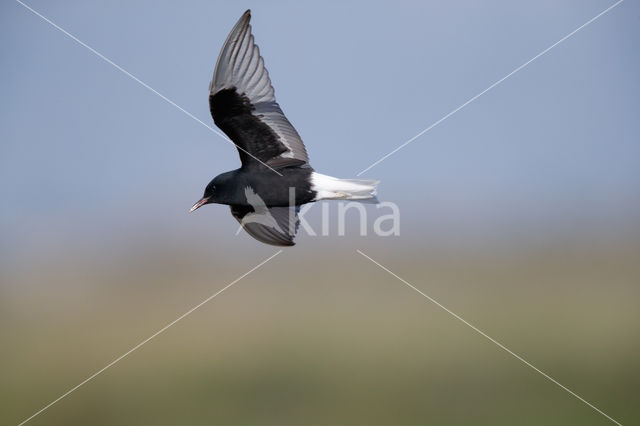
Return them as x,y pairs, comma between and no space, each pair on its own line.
274,189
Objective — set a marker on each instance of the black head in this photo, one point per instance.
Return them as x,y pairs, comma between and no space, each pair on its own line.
207,198
218,191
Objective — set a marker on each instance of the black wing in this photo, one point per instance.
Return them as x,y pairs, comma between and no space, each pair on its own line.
272,225
243,104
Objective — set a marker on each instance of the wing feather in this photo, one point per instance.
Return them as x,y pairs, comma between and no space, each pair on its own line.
272,225
243,104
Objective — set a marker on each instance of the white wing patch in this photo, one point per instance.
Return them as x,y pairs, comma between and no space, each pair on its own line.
260,215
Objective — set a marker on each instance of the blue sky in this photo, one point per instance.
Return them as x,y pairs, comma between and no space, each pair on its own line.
87,150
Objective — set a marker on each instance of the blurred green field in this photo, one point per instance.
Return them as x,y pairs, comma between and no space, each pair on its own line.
339,342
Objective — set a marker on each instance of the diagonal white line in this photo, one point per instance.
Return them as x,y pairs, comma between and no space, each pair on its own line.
128,74
490,87
492,340
149,338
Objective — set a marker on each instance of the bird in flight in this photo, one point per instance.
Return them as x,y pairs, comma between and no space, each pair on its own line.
275,179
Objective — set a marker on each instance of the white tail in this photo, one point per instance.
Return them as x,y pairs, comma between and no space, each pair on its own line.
331,188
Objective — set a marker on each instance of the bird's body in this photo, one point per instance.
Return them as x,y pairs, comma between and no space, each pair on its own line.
272,189
276,177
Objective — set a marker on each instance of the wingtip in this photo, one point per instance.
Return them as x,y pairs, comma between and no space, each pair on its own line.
247,14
